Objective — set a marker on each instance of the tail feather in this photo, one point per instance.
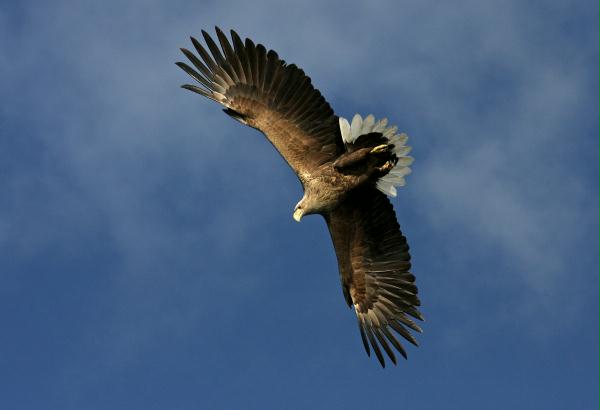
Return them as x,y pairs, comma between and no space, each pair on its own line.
368,132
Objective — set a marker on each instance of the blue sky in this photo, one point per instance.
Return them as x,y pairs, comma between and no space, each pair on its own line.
148,257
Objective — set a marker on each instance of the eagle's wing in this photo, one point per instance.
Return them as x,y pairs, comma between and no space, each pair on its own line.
374,268
264,92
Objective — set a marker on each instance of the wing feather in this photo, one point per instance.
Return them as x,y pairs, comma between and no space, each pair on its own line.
384,343
363,336
198,64
369,330
252,65
218,57
261,58
270,95
207,85
394,341
205,56
233,58
374,265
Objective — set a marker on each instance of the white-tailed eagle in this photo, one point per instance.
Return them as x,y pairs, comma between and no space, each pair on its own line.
346,170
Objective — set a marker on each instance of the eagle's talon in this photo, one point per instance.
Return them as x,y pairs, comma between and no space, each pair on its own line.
386,167
380,148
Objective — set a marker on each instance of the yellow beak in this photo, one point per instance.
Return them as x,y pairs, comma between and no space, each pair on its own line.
298,214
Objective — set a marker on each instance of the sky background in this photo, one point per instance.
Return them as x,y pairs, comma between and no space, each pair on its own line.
148,256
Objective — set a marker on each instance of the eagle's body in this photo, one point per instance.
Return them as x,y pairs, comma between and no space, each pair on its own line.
345,170
329,185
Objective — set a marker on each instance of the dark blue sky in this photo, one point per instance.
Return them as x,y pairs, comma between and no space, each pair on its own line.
148,256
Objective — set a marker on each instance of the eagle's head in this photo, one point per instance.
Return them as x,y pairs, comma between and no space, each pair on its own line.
306,206
299,210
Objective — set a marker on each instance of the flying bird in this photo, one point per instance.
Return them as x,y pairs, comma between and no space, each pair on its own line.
347,170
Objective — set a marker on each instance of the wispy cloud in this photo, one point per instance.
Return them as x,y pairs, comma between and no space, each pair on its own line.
98,141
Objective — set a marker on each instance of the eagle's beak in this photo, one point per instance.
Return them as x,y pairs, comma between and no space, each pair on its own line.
298,214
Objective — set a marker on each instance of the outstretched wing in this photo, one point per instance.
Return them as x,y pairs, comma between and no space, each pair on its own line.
374,268
264,92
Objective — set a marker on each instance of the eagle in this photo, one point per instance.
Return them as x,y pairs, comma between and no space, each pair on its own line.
347,171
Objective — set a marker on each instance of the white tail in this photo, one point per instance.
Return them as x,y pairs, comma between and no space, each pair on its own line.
359,126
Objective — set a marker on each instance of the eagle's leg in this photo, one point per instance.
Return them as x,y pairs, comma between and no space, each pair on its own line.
365,156
351,159
365,166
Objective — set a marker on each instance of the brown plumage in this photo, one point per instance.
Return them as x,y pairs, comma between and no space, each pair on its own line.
342,169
